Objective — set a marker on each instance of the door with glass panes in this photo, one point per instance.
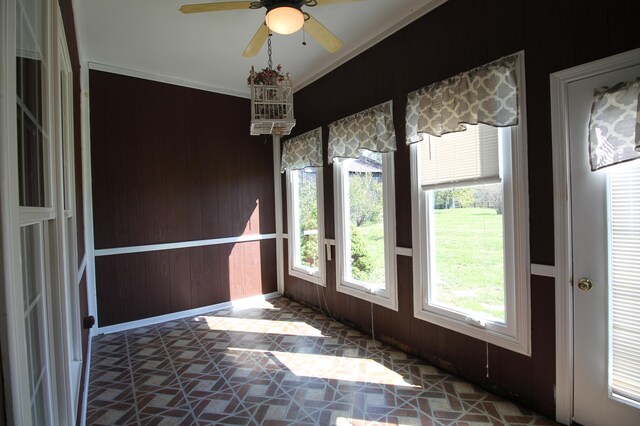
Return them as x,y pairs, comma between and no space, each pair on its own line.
605,206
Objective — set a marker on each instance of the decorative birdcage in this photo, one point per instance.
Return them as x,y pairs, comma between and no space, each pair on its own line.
271,104
271,100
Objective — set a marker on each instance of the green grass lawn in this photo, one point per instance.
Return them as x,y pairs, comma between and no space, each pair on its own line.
469,259
469,262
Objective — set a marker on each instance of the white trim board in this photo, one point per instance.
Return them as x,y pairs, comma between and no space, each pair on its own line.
278,213
183,244
543,270
81,269
559,83
87,193
404,251
166,79
239,303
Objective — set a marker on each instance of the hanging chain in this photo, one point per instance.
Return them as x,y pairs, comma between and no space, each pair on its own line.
269,52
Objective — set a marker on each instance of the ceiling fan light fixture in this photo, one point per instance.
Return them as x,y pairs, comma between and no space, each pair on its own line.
284,19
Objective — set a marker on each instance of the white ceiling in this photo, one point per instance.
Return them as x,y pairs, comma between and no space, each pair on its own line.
152,39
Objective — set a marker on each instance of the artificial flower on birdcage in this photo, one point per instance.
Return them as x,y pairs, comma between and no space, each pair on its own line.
268,76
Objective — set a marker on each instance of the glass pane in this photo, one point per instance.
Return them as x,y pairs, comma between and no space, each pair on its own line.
30,163
30,71
307,219
65,142
30,256
29,264
37,407
34,347
33,12
624,256
31,87
467,258
365,226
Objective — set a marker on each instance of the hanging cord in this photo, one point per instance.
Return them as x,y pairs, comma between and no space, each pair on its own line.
270,63
326,311
320,301
306,18
326,304
487,343
484,274
373,331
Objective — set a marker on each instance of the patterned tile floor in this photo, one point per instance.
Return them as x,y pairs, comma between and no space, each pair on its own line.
276,364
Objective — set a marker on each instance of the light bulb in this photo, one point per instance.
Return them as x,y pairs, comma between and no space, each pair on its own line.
284,20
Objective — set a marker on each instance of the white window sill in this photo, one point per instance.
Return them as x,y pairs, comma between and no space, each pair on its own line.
370,294
475,330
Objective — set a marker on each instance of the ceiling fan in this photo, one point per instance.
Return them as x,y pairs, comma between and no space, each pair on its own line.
283,17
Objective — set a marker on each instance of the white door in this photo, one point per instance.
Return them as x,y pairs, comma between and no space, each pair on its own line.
606,390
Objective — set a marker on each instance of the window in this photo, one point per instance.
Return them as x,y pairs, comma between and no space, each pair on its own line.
365,227
306,224
302,160
470,218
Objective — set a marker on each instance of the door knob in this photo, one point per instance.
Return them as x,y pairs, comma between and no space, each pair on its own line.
585,284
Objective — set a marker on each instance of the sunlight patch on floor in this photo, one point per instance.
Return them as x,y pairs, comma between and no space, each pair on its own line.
295,328
340,368
347,369
256,302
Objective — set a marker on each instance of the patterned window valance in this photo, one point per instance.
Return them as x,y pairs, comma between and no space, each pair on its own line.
371,129
614,125
302,151
487,94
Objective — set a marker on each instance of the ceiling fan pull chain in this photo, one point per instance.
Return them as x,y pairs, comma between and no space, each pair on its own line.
270,63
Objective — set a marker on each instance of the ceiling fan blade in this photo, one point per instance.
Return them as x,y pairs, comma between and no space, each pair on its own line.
214,7
327,2
257,41
322,35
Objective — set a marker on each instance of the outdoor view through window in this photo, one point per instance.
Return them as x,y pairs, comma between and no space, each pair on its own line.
365,227
465,229
468,271
306,195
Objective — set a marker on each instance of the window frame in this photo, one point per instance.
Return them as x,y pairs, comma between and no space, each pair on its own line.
388,297
515,334
299,271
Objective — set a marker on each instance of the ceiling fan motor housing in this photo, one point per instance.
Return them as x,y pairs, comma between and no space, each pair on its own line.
273,4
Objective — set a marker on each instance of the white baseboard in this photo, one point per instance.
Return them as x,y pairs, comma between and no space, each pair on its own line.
240,303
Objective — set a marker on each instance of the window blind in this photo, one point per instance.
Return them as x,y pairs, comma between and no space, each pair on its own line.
624,277
461,158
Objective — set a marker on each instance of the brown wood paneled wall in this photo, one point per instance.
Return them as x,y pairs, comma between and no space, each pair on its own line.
173,164
457,36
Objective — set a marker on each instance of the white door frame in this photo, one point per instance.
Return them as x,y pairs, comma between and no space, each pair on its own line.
562,220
